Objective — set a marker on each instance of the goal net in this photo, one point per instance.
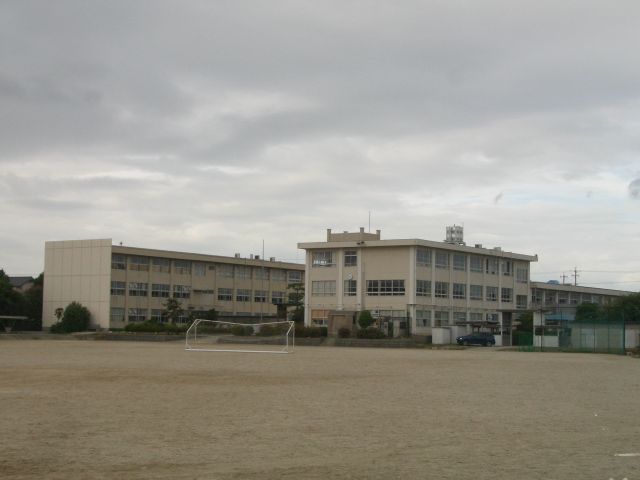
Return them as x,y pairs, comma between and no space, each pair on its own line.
220,336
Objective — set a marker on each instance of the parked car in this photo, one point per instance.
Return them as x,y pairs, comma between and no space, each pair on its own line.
478,338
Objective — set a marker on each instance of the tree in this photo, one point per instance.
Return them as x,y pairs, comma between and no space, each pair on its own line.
33,305
588,313
11,301
295,298
76,318
365,319
173,310
626,307
526,322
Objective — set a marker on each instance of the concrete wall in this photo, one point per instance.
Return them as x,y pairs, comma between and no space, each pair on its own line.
80,271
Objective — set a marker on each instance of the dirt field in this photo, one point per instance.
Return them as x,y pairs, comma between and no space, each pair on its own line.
98,410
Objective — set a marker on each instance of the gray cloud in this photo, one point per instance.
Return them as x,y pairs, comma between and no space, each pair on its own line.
211,126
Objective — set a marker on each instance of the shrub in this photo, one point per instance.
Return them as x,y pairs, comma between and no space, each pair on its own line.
154,327
269,330
75,318
242,330
370,332
365,319
344,332
310,332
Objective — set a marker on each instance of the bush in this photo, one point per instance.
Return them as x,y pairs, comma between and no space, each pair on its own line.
154,327
365,319
311,332
370,332
75,318
272,330
242,330
344,332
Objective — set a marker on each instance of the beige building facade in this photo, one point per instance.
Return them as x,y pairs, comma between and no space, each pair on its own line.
121,284
416,285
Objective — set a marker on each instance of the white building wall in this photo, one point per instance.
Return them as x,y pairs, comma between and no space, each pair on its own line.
80,271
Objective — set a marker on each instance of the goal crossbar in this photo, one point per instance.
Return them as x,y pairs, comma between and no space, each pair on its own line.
192,332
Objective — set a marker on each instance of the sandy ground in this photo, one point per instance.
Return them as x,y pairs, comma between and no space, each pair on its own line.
103,410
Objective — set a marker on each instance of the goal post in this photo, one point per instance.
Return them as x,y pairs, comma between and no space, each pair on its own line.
221,336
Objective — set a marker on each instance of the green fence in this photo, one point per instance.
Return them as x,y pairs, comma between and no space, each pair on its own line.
598,335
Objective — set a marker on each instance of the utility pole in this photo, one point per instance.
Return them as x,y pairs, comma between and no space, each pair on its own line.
564,276
575,276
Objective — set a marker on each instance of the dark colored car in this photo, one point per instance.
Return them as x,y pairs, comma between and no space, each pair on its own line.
479,338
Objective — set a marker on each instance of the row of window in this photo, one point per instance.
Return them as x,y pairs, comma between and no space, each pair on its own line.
426,257
161,290
326,288
143,314
549,297
443,318
186,267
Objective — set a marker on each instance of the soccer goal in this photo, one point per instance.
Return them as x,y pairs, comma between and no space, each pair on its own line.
221,336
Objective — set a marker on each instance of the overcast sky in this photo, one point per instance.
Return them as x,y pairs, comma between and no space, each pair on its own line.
209,127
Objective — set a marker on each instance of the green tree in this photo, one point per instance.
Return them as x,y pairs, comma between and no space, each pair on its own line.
11,301
627,307
33,305
526,322
295,299
173,310
588,313
365,319
76,318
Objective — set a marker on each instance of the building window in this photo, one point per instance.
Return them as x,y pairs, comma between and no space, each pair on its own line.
385,287
442,290
550,298
118,262
459,317
492,317
181,291
459,290
117,314
423,288
441,318
491,266
295,277
507,268
521,301
261,273
522,275
423,257
137,289
350,288
319,317
423,318
350,258
243,295
442,260
118,288
322,259
506,295
475,292
277,298
476,317
459,261
475,263
278,275
563,298
199,269
137,314
260,296
323,288
182,267
536,296
242,273
224,271
225,294
160,290
139,263
162,265
158,316
491,294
